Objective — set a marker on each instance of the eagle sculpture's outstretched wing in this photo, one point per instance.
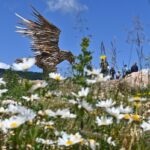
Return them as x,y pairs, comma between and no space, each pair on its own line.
45,39
44,35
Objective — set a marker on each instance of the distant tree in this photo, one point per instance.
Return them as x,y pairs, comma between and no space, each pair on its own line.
83,60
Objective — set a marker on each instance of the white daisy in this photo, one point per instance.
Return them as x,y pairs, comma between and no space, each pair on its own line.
82,93
13,122
92,144
43,141
73,101
104,120
125,110
26,113
115,112
23,115
56,76
50,113
90,81
106,104
68,140
37,85
97,79
82,103
86,105
109,141
2,82
31,98
93,71
146,126
64,113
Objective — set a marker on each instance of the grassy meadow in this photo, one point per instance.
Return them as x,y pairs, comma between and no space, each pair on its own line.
75,113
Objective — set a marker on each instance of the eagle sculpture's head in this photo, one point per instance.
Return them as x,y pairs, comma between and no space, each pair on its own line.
70,57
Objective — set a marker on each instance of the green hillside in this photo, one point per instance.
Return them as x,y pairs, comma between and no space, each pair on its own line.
27,75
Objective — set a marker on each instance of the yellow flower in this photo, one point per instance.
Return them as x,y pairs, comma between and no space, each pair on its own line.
136,98
13,125
127,116
69,142
137,104
136,117
58,78
49,127
103,57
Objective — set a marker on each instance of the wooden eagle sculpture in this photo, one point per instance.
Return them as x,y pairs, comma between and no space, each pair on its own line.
45,39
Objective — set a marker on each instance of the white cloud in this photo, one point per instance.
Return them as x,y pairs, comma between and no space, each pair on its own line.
4,66
66,5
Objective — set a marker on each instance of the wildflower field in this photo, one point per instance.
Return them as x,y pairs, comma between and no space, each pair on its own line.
73,113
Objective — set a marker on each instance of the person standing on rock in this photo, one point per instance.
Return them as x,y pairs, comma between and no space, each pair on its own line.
104,65
112,73
118,75
134,68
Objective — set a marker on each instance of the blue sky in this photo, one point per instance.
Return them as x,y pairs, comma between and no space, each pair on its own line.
105,20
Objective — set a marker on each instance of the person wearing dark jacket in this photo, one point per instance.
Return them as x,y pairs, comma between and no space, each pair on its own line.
134,68
112,73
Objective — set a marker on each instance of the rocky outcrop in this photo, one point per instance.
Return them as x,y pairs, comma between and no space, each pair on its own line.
138,79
